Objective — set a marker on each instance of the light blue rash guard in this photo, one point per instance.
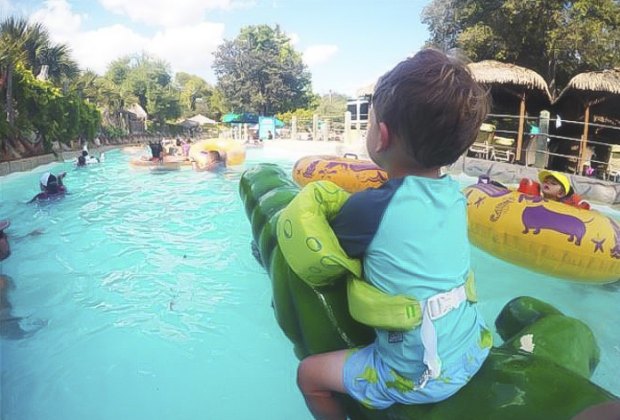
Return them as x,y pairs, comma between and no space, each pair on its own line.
411,234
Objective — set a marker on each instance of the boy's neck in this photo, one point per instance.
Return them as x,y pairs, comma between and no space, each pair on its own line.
399,164
421,172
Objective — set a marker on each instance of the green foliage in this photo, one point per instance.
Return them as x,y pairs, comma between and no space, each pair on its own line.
32,46
197,96
259,71
113,132
557,39
333,104
147,81
301,114
43,109
37,106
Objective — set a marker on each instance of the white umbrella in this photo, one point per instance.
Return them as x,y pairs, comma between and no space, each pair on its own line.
202,120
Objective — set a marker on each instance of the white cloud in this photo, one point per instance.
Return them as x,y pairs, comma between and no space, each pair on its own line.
187,48
169,12
96,49
58,18
318,54
6,8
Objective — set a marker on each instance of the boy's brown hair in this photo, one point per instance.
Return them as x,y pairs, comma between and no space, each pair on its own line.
432,103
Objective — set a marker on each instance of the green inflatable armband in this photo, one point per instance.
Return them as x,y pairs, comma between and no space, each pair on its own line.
307,241
371,306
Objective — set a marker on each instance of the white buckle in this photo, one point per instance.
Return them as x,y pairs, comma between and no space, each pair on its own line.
442,303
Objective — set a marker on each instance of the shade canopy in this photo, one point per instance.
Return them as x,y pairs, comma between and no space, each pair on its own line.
242,118
600,89
591,94
189,124
202,120
511,77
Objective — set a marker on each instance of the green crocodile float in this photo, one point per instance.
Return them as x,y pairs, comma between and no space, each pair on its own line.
541,370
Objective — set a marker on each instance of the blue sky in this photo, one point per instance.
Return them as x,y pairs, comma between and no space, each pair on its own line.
346,44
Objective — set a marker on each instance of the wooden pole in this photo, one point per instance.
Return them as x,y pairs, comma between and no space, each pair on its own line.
521,124
584,142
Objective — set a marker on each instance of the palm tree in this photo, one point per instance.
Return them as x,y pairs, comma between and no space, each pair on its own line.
12,39
36,40
61,68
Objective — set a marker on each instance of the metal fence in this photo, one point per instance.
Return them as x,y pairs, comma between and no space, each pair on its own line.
548,141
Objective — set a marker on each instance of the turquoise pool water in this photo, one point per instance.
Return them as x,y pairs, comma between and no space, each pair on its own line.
141,299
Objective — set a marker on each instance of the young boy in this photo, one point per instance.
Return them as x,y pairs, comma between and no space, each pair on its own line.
556,186
412,236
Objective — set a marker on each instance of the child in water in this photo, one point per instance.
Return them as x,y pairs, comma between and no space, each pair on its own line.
556,187
411,234
214,161
51,186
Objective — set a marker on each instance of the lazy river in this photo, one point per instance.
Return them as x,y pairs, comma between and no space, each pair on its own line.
141,299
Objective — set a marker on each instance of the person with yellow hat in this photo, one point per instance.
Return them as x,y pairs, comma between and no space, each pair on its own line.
556,186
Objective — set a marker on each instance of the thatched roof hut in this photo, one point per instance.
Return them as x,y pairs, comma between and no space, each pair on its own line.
510,77
596,82
599,90
596,93
509,82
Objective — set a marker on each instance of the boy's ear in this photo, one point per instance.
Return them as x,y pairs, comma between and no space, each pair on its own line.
384,137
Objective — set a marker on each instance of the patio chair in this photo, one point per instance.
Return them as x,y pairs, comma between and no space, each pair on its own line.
483,145
613,163
503,149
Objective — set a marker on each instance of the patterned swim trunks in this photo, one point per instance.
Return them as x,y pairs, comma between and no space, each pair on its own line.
375,385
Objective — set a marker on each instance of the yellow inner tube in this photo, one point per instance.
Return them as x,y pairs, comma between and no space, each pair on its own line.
350,174
545,236
232,151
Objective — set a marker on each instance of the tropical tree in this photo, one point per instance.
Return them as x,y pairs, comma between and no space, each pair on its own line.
29,43
195,94
146,80
557,39
333,104
12,38
38,110
259,71
61,68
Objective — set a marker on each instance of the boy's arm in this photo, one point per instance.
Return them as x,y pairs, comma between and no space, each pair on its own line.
357,221
60,177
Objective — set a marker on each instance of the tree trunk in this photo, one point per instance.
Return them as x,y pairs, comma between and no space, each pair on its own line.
10,113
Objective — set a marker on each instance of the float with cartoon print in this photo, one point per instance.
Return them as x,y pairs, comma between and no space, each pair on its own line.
523,228
537,372
348,172
543,235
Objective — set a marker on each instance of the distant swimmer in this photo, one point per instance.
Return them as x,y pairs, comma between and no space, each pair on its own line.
51,186
86,159
5,250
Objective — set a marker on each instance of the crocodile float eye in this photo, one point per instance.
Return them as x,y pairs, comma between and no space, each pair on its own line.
313,244
288,229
